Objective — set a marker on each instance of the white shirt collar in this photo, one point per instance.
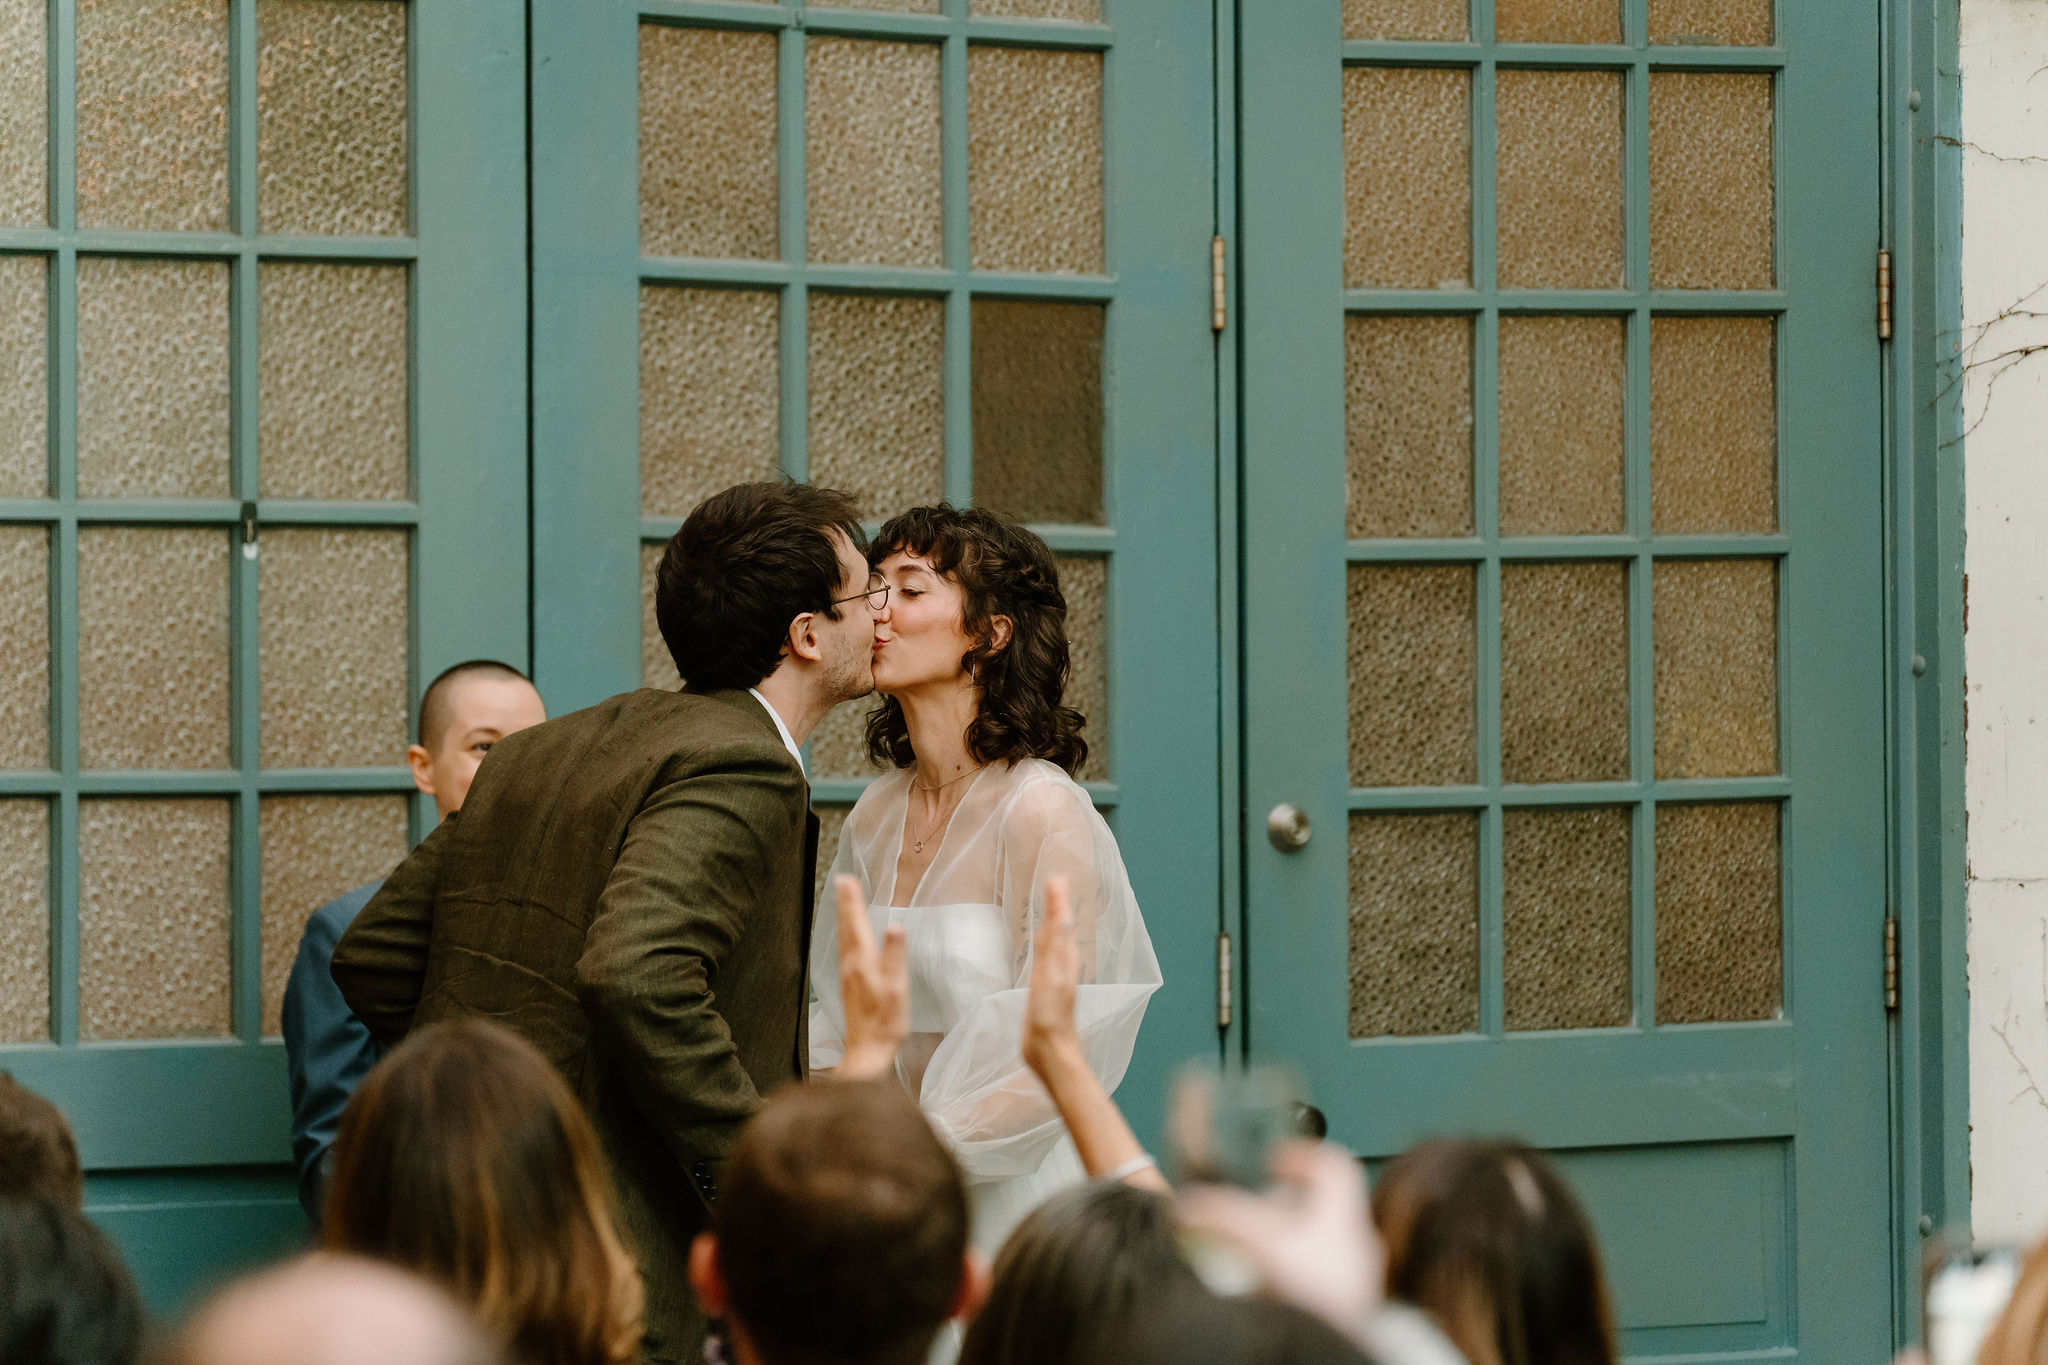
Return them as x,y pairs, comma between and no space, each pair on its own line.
783,730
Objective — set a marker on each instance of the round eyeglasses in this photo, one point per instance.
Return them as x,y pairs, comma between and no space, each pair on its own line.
878,597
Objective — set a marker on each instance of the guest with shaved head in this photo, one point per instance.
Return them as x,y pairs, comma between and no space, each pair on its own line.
464,711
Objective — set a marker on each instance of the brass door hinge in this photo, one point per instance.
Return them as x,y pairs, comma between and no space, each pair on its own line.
1217,313
1884,296
1222,975
1891,966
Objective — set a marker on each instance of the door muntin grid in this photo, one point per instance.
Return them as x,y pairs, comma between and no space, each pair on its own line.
941,278
219,368
1524,410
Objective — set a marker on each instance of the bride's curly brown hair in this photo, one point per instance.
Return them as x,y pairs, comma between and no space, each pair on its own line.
1002,570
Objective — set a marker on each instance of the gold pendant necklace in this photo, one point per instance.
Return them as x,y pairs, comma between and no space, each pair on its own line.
917,844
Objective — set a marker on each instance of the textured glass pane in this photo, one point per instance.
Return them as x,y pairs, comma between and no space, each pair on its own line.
657,667
1711,201
877,423
1556,21
153,647
332,381
1034,159
839,746
1408,19
315,848
831,819
871,151
25,921
1407,426
1715,626
153,392
1713,424
1407,178
1745,23
1564,672
1560,179
1566,913
25,662
24,113
333,625
1720,914
1414,675
331,116
153,919
24,376
707,142
153,114
1080,11
1561,384
1414,925
1037,385
1085,584
708,393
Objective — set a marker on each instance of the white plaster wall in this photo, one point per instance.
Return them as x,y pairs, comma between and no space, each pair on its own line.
2005,643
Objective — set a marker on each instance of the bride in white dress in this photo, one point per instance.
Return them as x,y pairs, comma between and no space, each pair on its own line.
956,844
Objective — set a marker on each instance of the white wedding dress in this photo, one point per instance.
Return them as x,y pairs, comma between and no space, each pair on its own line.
970,924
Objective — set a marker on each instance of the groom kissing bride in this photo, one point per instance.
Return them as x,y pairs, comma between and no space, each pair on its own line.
630,886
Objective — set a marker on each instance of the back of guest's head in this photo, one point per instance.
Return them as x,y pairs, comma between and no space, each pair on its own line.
839,1199
745,564
325,1309
65,1297
464,1157
38,1158
1488,1240
1186,1324
1076,1275
2020,1334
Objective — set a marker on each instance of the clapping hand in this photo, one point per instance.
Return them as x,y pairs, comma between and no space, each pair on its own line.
874,983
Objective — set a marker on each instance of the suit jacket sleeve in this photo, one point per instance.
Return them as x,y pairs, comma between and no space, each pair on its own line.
327,1051
696,862
381,962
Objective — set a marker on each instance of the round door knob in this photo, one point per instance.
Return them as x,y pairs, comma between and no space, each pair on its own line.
1289,828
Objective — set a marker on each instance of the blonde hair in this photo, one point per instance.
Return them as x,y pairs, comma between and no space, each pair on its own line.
464,1157
2020,1336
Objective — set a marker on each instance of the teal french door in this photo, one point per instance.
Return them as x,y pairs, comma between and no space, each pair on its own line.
955,249
1562,621
262,473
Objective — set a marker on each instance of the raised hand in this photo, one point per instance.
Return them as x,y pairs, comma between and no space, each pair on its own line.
1049,1033
874,983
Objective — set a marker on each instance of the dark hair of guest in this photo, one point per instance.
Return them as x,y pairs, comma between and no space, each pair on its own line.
65,1297
746,563
1002,570
842,1195
464,1158
38,1157
1081,1275
1488,1240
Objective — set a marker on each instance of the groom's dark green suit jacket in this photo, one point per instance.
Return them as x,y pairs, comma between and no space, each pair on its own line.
630,887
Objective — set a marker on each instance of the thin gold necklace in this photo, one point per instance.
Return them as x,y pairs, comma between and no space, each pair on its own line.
938,823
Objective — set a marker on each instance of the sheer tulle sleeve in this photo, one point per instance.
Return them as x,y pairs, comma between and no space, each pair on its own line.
976,1089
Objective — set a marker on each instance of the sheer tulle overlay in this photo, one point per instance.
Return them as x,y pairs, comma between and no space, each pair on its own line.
970,924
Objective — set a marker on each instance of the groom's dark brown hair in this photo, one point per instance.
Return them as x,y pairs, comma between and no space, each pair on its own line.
841,1227
746,563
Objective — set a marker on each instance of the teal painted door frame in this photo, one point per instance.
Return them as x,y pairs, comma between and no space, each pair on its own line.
1808,1092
